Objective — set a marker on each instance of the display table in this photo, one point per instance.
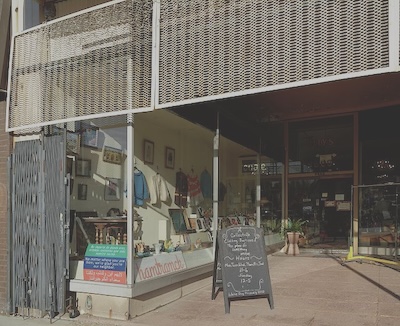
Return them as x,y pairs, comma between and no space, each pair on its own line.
104,225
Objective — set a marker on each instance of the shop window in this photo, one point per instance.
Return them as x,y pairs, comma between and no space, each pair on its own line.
321,146
379,142
378,221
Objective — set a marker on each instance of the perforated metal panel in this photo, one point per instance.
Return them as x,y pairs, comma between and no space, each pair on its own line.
79,66
38,219
101,61
212,47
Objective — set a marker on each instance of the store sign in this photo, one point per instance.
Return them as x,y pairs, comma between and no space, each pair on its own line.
251,166
105,263
158,265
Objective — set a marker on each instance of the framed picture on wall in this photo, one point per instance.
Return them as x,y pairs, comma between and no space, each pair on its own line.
73,143
112,155
82,191
83,168
70,163
169,157
112,189
148,151
90,135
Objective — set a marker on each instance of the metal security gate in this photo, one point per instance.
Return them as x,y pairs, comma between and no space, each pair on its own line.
40,243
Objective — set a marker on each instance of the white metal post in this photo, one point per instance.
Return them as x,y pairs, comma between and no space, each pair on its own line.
215,184
129,176
155,60
394,30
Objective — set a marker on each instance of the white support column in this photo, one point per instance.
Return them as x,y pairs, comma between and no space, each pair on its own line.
394,30
215,183
155,61
129,176
258,190
24,15
5,8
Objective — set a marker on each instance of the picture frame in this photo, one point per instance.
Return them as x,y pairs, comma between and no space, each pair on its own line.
148,151
200,224
112,155
90,135
82,191
112,190
169,157
69,165
73,143
178,220
83,168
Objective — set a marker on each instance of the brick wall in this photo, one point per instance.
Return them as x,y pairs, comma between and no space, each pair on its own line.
4,153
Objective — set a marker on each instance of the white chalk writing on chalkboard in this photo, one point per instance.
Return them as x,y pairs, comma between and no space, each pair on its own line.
241,255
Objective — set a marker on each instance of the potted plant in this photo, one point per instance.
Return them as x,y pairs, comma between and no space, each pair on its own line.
292,232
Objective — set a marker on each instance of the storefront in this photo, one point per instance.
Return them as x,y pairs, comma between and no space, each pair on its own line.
154,157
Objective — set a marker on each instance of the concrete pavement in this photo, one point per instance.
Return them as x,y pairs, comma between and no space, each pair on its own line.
309,289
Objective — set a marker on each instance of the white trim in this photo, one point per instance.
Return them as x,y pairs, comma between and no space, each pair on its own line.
308,82
80,118
82,286
77,13
9,84
394,33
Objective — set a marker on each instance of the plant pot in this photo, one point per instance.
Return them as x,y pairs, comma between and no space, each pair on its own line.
293,246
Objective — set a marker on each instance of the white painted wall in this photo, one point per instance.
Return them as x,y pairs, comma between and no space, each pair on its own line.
193,150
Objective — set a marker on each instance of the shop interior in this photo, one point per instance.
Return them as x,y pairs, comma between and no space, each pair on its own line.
169,149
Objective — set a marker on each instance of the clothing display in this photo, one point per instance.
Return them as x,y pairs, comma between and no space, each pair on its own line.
194,190
158,189
206,184
221,191
141,191
181,189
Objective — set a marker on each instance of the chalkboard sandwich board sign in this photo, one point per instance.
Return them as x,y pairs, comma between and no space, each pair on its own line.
241,265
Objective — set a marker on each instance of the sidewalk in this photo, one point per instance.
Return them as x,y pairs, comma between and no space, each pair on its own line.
307,290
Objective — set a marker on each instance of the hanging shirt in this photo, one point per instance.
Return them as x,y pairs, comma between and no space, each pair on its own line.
181,189
158,189
206,184
194,190
141,192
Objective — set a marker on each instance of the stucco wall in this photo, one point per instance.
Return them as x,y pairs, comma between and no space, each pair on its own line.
4,153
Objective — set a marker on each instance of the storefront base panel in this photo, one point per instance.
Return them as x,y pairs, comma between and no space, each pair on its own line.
103,306
378,251
118,308
153,300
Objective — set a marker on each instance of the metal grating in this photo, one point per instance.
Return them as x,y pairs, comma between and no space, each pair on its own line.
213,47
38,218
27,224
55,235
79,66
